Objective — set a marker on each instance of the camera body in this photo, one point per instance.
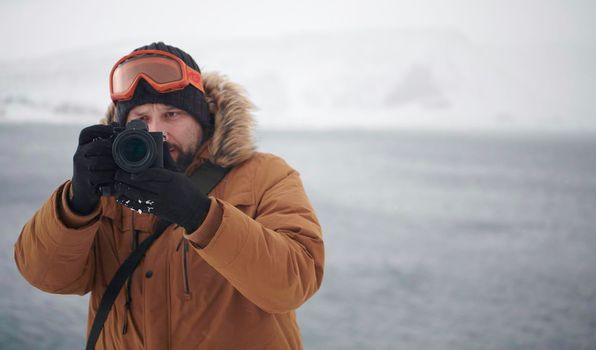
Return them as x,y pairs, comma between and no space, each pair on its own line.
135,149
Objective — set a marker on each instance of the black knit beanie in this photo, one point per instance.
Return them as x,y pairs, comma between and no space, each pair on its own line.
189,99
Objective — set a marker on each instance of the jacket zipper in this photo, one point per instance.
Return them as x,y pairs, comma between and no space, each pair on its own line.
185,281
186,284
128,300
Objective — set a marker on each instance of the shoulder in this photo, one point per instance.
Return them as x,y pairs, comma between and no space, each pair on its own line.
268,166
259,173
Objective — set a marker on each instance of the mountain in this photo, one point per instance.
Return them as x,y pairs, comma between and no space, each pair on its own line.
434,78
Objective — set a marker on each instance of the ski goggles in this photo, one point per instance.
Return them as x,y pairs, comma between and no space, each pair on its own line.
165,72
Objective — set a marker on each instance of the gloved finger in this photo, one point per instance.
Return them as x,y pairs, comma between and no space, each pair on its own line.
127,190
133,191
91,132
128,202
100,163
135,205
124,177
97,148
149,175
168,161
154,188
102,177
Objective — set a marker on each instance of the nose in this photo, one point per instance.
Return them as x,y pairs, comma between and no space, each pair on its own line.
156,125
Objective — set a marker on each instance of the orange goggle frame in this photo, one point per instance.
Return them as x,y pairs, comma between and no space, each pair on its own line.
164,71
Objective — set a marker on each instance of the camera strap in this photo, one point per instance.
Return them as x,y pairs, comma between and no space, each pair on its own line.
205,178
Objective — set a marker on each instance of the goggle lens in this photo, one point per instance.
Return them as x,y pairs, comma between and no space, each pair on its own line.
161,69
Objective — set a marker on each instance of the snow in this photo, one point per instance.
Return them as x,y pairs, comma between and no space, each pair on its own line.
378,79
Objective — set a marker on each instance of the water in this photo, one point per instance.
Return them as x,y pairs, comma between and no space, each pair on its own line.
433,240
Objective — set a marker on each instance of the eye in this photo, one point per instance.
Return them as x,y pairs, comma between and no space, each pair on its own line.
172,115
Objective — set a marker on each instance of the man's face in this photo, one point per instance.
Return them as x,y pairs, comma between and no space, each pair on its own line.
183,132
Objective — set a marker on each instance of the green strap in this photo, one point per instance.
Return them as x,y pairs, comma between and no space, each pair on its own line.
208,176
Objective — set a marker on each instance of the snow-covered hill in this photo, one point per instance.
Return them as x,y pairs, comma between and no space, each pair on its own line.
378,79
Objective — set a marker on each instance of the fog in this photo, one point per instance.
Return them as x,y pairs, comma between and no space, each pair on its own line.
376,64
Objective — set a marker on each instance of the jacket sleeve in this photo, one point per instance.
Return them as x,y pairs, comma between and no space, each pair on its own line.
275,260
54,251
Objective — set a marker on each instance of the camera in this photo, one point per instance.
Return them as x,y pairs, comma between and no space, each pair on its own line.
135,149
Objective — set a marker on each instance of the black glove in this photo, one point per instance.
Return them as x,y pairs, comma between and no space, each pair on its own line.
166,192
93,165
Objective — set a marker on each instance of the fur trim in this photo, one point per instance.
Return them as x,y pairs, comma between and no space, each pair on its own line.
232,142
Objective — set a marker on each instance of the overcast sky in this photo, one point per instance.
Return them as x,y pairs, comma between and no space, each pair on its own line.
38,27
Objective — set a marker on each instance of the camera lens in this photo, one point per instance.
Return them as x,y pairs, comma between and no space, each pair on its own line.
133,149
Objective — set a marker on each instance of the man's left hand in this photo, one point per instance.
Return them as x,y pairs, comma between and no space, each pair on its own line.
164,192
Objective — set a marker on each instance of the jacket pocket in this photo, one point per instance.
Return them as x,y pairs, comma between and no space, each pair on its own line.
243,201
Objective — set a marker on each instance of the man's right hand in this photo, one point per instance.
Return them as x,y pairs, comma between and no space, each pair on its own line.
93,165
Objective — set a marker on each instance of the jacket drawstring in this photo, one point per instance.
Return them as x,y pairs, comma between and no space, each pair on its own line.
128,302
185,281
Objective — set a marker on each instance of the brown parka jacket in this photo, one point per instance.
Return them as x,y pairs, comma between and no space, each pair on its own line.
234,283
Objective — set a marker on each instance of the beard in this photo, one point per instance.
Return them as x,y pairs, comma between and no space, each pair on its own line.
185,158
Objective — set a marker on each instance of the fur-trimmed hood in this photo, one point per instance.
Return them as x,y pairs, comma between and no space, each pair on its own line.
233,141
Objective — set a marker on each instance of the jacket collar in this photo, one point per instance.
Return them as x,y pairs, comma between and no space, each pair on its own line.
233,141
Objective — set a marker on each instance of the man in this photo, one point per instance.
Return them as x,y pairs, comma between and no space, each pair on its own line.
233,267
